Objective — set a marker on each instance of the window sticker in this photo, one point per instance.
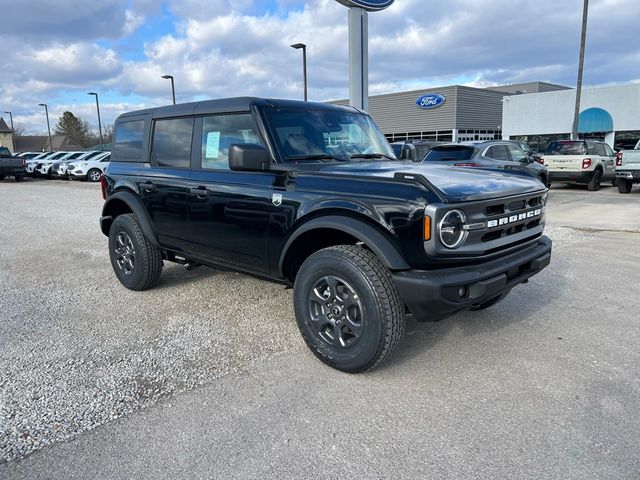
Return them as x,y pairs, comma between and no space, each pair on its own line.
213,145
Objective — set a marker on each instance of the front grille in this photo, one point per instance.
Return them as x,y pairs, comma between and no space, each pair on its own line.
493,226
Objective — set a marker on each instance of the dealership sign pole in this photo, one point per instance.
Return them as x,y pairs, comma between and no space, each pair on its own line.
359,48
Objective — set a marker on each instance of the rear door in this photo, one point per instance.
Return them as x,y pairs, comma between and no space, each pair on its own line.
165,186
229,211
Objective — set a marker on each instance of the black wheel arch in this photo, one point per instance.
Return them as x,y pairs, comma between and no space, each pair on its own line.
123,202
348,228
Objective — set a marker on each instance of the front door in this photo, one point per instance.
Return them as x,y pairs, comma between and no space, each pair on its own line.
229,211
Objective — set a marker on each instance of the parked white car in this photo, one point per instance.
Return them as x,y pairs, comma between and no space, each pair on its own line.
31,164
89,170
43,168
59,167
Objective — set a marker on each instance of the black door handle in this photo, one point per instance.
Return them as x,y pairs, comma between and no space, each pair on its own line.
148,187
199,192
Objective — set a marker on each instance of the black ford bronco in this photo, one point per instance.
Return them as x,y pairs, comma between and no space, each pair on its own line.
312,196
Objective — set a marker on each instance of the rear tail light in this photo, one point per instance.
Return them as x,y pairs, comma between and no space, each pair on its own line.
467,164
540,160
619,159
586,163
103,186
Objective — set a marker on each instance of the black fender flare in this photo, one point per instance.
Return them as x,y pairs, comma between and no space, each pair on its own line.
135,205
374,239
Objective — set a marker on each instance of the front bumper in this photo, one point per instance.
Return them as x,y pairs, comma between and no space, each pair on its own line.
432,295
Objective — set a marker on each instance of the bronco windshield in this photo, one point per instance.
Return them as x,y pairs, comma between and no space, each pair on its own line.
308,134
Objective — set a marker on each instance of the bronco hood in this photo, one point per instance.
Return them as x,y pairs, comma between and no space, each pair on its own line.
455,184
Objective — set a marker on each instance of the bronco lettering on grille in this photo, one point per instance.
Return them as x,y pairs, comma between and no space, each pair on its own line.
514,218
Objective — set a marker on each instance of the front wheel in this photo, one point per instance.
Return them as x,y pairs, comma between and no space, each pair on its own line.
348,309
93,175
624,185
136,262
19,178
596,180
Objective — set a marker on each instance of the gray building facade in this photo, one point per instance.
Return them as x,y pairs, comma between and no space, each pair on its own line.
465,113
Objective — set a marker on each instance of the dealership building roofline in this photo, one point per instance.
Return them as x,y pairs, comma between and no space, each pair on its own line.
449,113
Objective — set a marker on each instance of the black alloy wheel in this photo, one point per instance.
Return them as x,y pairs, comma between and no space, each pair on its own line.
348,309
136,262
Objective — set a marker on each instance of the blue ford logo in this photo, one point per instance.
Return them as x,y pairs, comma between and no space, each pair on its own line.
371,5
430,100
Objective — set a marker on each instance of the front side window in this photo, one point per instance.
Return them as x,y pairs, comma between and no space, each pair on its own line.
128,139
219,132
329,134
171,145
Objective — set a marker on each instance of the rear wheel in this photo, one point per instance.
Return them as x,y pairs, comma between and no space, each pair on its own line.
624,185
136,262
93,175
348,309
595,182
19,178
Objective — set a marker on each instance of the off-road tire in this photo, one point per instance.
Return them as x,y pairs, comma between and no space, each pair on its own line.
19,178
596,181
93,170
624,185
382,310
147,264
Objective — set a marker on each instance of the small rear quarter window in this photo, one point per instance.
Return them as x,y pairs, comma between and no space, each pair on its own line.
128,140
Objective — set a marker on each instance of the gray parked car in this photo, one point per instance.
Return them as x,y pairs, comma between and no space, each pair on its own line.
489,155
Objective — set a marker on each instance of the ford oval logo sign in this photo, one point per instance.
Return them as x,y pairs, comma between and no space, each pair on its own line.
430,100
371,5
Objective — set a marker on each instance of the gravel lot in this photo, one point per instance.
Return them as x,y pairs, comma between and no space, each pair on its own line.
547,382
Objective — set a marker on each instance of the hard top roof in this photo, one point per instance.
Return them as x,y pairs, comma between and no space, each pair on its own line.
237,104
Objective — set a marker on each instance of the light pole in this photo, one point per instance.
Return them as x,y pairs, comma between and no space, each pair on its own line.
302,46
99,122
10,118
583,37
173,88
46,111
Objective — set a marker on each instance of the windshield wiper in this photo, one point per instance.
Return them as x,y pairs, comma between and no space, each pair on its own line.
372,155
320,156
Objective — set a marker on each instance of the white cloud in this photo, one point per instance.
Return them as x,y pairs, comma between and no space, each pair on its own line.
220,48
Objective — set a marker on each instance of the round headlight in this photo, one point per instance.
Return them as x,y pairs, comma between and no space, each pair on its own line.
452,233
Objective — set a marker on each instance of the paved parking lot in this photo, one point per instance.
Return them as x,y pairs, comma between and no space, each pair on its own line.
206,376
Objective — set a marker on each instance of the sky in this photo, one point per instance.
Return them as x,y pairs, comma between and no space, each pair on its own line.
55,52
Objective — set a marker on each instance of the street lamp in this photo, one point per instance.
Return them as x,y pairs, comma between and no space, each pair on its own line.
173,88
46,111
302,46
99,122
10,118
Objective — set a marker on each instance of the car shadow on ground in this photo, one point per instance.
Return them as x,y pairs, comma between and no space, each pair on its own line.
517,307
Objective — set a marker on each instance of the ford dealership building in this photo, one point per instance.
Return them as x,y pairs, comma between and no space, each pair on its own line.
454,113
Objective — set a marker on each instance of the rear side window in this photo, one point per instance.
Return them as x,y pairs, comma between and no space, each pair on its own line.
443,154
219,132
171,146
498,152
128,141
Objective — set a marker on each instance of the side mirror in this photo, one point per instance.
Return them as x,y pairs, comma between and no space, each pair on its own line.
408,152
248,157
